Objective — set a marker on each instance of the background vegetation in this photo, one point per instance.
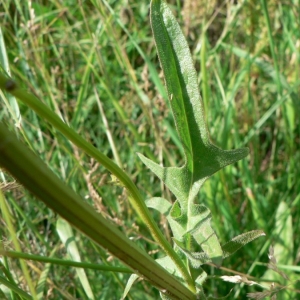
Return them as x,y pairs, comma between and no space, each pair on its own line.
88,60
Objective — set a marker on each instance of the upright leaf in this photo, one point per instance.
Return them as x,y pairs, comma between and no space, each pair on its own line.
66,235
202,158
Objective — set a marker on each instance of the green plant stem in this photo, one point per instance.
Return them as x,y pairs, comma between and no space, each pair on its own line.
135,197
32,172
64,262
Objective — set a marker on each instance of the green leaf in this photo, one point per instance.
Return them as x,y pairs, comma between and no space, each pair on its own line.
197,259
203,233
173,213
132,279
66,235
202,158
283,235
160,204
198,226
13,287
239,241
169,265
282,252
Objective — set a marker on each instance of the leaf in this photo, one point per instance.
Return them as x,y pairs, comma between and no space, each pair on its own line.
177,221
204,234
197,259
169,265
202,158
239,241
282,252
132,279
66,235
283,232
198,226
195,262
160,204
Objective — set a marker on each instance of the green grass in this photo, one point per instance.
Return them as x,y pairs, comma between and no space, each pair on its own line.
97,62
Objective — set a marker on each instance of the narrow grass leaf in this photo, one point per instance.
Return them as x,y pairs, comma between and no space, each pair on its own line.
4,63
132,279
64,262
12,287
197,259
7,217
66,235
282,252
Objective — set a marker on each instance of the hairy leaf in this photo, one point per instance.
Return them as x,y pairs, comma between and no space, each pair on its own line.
241,240
202,157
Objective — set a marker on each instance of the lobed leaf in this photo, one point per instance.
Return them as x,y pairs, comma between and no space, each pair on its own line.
202,158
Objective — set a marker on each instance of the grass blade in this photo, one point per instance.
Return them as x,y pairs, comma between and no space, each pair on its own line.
66,235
